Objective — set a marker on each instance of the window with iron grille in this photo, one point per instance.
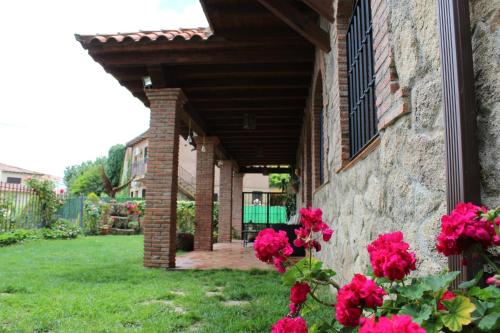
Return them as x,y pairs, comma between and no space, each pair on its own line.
361,78
13,180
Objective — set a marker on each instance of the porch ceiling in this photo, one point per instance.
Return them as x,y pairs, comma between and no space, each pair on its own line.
253,64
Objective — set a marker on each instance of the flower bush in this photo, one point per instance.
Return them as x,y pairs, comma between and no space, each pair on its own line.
389,299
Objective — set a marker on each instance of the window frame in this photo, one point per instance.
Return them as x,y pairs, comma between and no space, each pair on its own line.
363,124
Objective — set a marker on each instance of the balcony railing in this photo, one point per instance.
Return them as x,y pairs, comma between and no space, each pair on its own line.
187,181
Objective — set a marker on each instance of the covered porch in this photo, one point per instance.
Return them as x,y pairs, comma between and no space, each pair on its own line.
239,87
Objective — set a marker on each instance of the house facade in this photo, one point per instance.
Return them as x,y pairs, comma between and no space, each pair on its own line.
136,161
371,105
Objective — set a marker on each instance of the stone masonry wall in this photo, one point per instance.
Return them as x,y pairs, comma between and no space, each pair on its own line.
400,185
485,25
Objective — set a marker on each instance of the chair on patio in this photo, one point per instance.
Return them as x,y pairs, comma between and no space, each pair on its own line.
249,233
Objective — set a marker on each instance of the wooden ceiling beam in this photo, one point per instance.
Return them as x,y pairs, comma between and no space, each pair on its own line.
322,7
293,17
223,56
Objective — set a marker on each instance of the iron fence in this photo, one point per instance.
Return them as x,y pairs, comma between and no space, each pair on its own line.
21,208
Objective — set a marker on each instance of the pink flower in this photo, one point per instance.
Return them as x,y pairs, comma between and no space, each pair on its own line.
294,308
390,258
360,293
272,246
311,218
463,227
312,221
395,324
298,293
327,234
448,295
290,325
493,280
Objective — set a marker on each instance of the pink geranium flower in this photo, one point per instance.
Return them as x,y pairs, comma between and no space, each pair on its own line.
298,293
448,295
360,293
395,324
272,246
390,257
311,220
290,325
464,227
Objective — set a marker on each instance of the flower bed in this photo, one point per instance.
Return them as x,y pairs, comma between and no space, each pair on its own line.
388,299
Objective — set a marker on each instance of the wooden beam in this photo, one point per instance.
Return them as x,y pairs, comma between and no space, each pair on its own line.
322,7
218,56
157,76
293,17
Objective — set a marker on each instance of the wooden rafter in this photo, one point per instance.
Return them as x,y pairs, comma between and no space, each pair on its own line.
322,7
294,18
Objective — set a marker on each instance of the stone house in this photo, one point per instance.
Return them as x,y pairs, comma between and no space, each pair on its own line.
372,105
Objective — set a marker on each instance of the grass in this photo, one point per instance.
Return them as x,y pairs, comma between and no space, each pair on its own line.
98,284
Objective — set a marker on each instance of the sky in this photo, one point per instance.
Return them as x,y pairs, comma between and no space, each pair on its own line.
57,106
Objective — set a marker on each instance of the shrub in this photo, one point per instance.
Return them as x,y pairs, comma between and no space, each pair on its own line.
16,236
388,299
48,200
92,214
134,225
62,229
185,217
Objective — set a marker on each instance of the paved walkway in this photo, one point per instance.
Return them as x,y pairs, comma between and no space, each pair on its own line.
225,255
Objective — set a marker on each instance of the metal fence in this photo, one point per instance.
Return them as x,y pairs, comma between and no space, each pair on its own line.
20,207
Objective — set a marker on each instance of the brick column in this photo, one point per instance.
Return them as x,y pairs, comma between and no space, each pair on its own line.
161,177
225,202
204,197
237,202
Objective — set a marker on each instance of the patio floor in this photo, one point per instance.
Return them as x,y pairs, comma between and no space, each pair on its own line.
225,255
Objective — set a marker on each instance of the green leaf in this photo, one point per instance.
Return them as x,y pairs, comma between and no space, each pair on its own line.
414,291
485,294
433,326
300,270
473,282
490,322
481,307
418,313
438,282
459,313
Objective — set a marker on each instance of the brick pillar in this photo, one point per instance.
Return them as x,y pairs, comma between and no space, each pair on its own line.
237,202
161,177
204,196
225,202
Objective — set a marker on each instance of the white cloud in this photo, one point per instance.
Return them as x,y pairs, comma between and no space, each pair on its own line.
57,106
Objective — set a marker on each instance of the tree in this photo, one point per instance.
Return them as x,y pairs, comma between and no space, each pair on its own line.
109,189
72,172
278,180
114,164
89,181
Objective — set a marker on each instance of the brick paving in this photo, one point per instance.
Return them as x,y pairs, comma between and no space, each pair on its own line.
225,255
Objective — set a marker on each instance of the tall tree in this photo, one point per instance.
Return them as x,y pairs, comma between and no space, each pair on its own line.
71,173
114,164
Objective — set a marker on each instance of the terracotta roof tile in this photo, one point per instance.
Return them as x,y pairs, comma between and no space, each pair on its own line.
202,33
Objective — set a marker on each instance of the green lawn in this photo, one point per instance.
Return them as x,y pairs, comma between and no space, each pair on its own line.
98,284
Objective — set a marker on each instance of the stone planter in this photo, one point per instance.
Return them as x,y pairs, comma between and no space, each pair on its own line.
185,242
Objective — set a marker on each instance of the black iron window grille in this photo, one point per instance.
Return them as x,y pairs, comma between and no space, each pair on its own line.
361,78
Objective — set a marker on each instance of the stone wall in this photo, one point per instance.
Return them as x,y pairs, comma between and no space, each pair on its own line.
485,24
400,185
